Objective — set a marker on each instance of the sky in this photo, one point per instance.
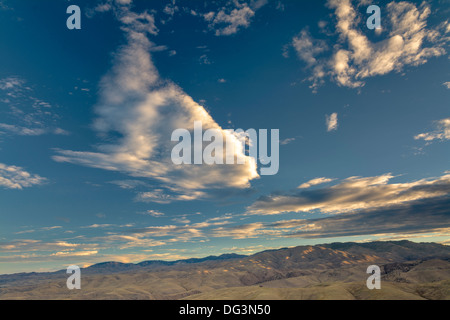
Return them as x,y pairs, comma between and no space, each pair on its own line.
86,118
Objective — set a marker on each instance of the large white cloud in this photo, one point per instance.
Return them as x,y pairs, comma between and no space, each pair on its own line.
139,110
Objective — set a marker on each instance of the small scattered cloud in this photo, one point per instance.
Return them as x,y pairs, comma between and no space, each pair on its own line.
12,177
181,220
24,245
21,131
171,8
26,114
441,133
287,141
130,184
25,131
204,59
332,122
308,48
280,6
11,84
3,6
232,18
98,226
153,213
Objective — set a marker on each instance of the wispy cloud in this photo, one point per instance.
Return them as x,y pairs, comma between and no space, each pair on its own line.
25,245
287,141
28,115
245,231
153,213
98,226
11,83
25,131
130,184
315,182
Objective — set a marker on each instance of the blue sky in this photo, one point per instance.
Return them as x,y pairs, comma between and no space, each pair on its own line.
86,117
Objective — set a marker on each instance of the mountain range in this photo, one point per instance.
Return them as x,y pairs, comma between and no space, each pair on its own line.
329,271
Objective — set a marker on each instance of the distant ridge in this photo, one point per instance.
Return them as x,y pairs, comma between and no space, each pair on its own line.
403,250
111,267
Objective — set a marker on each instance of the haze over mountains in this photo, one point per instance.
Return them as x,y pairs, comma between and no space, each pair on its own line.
332,271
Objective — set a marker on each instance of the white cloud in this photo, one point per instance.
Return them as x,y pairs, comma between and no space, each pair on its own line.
74,254
234,17
354,193
287,141
442,132
204,59
3,6
154,213
24,245
308,48
129,184
182,220
11,83
246,231
21,131
257,4
97,226
145,109
162,196
355,58
31,116
170,9
315,182
12,177
332,122
447,84
24,131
